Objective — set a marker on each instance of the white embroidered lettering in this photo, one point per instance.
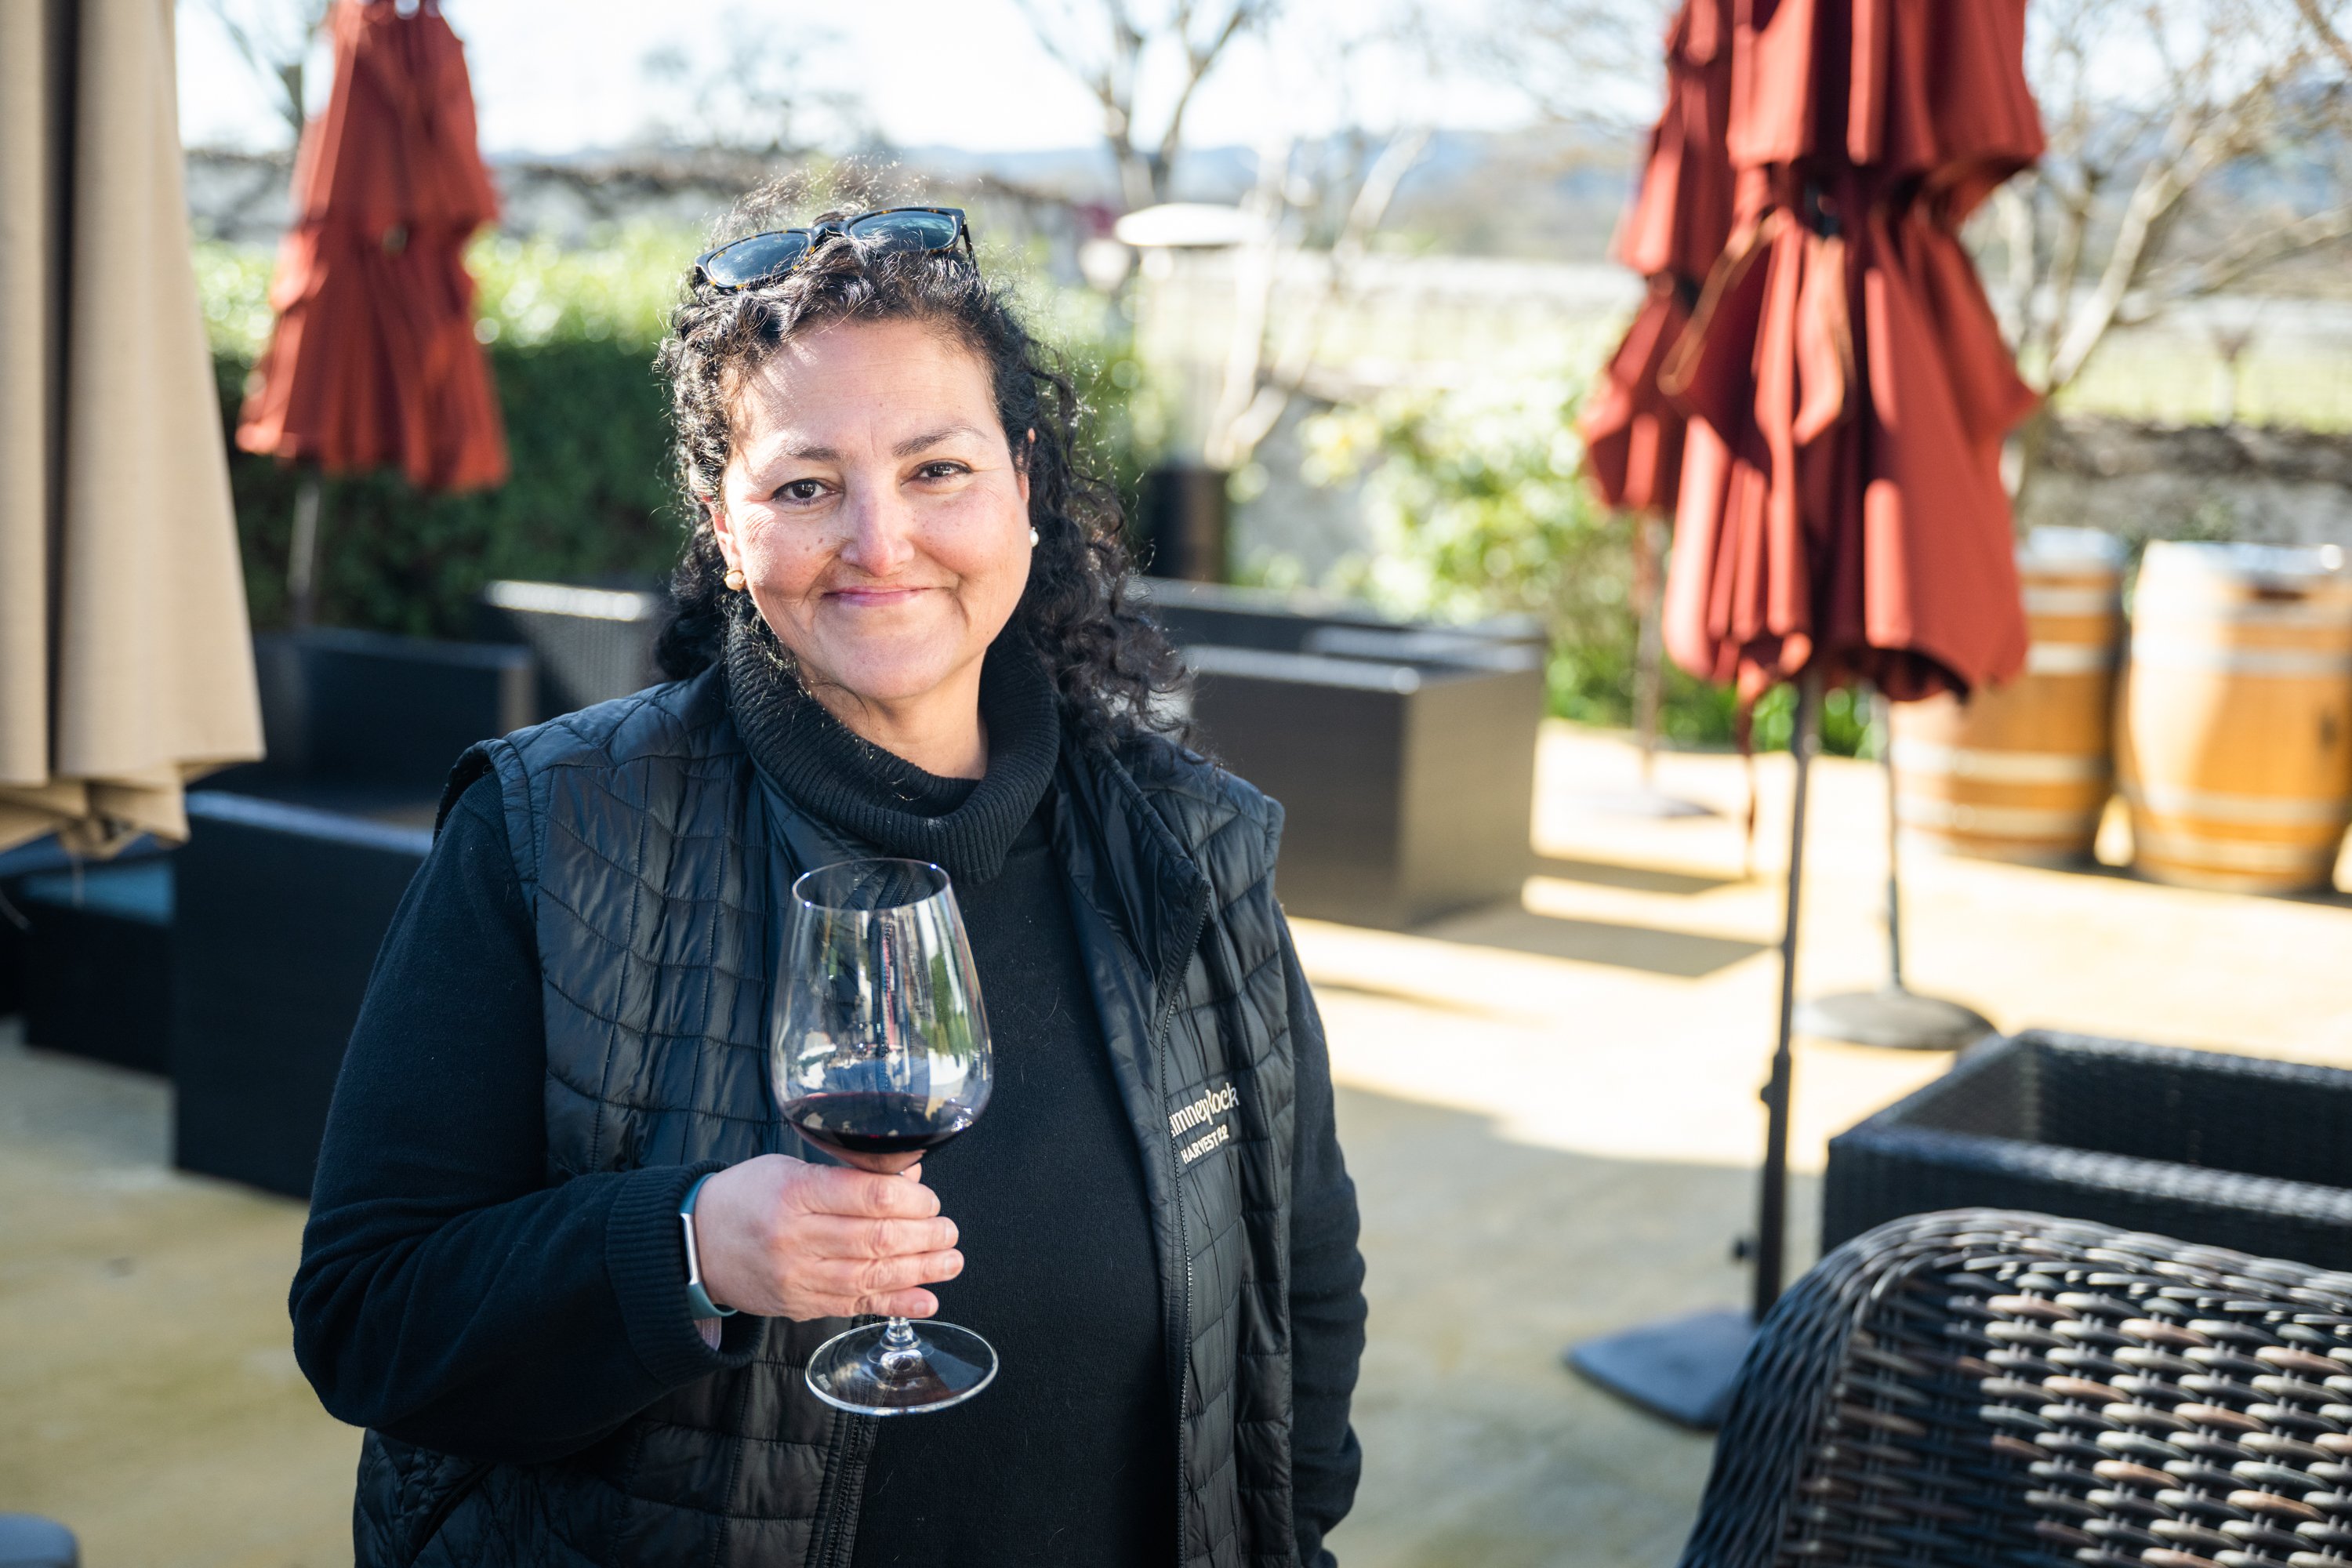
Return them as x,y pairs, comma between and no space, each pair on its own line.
1216,1137
1216,1103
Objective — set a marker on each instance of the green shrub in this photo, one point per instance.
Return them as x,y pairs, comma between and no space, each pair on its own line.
570,337
588,501
1477,509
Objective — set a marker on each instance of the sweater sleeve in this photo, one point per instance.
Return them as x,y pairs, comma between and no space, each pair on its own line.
447,1295
1326,1290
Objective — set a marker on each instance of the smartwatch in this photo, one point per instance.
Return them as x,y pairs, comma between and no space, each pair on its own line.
697,1300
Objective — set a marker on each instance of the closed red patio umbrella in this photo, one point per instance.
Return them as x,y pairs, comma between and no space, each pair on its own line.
1680,217
374,361
1840,515
1842,510
1671,232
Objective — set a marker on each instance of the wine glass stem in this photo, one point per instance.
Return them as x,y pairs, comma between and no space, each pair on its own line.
899,1354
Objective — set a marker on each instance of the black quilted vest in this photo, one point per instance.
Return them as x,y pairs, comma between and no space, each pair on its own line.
652,853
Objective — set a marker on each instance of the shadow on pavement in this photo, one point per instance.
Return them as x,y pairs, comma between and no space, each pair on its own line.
1685,955
1484,1259
1637,878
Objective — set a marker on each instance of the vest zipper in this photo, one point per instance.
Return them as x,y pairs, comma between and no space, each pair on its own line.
1182,1313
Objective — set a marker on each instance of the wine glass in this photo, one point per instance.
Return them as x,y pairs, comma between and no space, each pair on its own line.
879,1051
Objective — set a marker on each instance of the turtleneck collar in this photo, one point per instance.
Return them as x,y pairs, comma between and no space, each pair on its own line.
964,825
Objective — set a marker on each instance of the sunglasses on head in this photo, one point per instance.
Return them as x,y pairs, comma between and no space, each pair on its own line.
764,258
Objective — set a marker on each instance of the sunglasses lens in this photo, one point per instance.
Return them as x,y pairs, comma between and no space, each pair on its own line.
749,260
908,230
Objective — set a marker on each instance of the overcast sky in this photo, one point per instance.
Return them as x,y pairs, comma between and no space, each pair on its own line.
553,76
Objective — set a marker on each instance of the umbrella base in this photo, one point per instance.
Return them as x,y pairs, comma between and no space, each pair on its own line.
1894,1019
1643,802
1681,1368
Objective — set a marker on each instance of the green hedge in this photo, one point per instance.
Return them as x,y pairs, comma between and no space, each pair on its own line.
571,336
587,503
1477,506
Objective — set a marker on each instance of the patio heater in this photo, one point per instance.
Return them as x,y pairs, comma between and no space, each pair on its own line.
1186,521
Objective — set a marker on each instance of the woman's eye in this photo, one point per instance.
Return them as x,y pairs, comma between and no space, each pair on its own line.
801,490
942,469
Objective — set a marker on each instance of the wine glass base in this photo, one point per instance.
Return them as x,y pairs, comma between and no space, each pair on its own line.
945,1366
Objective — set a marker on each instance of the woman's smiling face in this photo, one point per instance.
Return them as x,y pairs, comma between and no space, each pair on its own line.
876,510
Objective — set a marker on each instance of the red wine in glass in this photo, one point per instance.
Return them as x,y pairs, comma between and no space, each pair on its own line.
879,1049
866,1128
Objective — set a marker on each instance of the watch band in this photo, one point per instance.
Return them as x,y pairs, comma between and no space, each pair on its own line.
697,1300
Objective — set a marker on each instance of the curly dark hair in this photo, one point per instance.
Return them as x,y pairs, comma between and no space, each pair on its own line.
1117,674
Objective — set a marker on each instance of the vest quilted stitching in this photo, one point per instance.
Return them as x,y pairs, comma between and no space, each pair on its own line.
650,863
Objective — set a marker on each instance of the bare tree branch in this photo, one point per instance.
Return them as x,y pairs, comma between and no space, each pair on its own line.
275,50
1198,61
1113,71
2229,88
1255,395
2240,260
2325,30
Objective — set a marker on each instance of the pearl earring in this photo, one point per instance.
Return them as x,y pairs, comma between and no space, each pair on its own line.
1033,536
735,578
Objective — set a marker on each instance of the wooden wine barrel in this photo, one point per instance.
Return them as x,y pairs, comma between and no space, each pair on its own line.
2022,771
2233,729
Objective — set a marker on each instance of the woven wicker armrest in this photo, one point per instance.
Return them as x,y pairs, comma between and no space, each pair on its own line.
1984,1387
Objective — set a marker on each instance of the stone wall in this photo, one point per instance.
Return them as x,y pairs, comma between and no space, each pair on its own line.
2267,484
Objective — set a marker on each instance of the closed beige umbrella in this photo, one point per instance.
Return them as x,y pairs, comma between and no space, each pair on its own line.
125,665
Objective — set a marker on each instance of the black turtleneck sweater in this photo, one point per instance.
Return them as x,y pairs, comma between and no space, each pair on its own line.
409,1310
1070,1455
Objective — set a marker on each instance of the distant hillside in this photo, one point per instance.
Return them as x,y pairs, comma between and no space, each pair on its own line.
1530,195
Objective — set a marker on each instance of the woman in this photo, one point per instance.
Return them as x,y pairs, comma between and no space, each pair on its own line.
900,630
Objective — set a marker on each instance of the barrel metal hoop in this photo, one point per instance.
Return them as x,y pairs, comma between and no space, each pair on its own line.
2240,660
2173,800
2228,854
2069,659
1998,767
2203,609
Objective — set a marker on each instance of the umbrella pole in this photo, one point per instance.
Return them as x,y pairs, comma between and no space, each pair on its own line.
1683,1368
1883,716
1894,1016
302,558
1772,1216
1649,644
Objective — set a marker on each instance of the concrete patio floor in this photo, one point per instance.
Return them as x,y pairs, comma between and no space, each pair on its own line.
1549,1110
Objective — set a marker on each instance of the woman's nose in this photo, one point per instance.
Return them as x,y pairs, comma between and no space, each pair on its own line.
881,529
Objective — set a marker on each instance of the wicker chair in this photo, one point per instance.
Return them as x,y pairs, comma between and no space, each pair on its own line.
1982,1386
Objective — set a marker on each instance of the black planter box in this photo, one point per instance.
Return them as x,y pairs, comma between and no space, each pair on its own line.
1404,754
96,961
280,912
1201,613
2231,1151
591,644
363,721
1407,785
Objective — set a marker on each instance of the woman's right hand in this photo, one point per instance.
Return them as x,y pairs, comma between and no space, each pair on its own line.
779,1237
